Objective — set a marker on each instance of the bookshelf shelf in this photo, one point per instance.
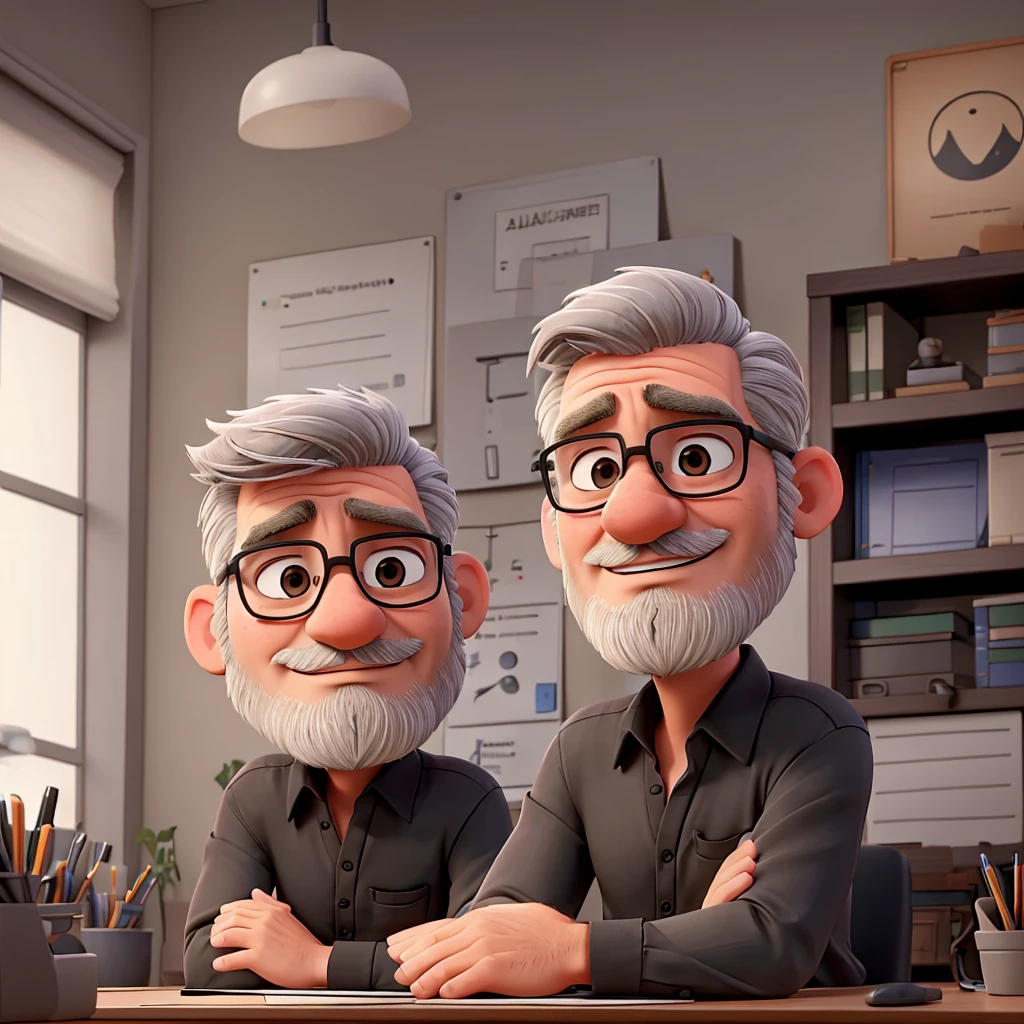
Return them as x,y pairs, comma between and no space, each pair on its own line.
997,699
981,402
972,561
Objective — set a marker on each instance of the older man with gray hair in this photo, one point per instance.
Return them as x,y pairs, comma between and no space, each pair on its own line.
675,483
337,613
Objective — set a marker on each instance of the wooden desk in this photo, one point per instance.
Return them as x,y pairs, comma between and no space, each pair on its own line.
828,1006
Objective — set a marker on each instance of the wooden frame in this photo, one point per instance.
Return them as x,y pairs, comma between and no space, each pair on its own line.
1015,214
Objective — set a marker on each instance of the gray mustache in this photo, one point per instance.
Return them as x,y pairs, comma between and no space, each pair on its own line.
688,543
376,652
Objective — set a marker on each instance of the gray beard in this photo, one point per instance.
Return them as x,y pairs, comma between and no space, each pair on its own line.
355,726
663,633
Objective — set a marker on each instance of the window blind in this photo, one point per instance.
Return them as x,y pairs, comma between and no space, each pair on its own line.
57,185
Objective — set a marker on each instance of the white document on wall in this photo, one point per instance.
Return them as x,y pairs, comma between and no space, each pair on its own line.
946,780
511,753
516,563
489,434
361,317
492,229
554,277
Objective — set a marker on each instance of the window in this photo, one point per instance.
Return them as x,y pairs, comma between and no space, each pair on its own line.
42,523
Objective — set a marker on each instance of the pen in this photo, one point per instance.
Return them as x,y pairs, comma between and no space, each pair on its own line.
130,896
42,852
18,833
995,887
87,881
61,878
77,845
1017,891
146,891
5,832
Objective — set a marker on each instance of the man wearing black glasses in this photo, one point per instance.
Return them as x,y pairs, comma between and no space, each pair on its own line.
337,613
675,484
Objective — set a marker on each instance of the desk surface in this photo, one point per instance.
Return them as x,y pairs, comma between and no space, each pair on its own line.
830,1006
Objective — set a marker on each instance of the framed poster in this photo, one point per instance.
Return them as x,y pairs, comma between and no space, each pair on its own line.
955,128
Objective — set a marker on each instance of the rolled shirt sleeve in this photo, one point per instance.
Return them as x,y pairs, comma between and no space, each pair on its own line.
770,941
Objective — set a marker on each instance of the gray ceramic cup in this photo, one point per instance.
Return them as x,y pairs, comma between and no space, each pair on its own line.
1001,952
123,955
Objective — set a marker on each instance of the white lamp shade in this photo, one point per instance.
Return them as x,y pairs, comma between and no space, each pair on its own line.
322,97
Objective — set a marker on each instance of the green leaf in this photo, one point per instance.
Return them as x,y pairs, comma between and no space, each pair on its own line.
144,834
228,772
166,835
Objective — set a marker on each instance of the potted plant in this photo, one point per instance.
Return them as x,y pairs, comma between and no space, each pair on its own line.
160,846
228,772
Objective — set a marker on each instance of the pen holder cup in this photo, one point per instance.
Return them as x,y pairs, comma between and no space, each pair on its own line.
1001,952
62,921
123,955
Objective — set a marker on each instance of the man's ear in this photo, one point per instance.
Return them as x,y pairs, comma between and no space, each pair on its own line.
820,484
474,589
547,529
199,636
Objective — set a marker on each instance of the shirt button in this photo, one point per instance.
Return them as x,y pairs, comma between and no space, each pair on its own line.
656,789
325,825
667,855
666,907
343,903
343,932
347,865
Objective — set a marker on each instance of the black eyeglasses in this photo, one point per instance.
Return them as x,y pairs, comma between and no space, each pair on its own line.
285,579
692,459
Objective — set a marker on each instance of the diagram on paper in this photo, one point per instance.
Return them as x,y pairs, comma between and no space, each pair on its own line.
511,753
489,432
516,563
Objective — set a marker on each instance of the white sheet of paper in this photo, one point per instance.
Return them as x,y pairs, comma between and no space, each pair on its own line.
488,432
511,753
362,317
555,277
516,563
579,210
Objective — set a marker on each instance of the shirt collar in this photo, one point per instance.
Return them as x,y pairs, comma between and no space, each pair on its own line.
397,782
731,719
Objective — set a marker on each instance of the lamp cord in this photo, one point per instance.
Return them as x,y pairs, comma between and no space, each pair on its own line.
321,30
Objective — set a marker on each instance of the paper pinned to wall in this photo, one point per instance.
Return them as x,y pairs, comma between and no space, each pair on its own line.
516,563
491,229
511,753
489,435
362,317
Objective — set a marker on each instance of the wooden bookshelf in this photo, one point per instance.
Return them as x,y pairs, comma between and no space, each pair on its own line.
936,296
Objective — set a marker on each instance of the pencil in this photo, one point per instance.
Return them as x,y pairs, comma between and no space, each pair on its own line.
995,887
138,881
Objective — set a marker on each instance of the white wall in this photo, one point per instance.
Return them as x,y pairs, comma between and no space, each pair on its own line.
770,122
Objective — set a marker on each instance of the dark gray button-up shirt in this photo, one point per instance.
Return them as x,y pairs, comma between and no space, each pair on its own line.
422,836
786,759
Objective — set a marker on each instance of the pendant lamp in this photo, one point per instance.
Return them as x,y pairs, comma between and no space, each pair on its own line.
322,97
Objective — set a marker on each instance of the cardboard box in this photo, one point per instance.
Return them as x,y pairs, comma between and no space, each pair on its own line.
1005,488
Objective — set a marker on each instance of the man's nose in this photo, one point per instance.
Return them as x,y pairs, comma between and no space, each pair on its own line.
344,618
640,510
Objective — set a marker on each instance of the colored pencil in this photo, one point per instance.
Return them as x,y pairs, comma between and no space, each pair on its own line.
995,887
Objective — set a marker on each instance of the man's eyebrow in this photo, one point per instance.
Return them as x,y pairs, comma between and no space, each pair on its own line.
299,514
404,518
598,408
658,396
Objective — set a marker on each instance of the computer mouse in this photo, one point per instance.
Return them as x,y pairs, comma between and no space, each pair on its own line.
902,993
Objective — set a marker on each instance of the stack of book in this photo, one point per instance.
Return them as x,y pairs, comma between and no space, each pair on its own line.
880,345
999,640
936,380
1005,349
907,654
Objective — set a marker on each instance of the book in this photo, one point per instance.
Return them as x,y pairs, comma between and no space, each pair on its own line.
943,375
892,345
1006,330
931,389
1008,360
1005,655
1008,609
1002,380
1006,673
904,626
935,652
856,354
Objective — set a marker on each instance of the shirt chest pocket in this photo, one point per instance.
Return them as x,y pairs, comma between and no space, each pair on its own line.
397,909
709,854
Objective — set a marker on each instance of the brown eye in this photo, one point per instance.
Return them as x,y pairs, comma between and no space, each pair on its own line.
284,580
596,470
393,567
700,456
390,572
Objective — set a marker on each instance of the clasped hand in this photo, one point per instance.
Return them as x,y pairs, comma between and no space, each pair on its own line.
521,949
270,942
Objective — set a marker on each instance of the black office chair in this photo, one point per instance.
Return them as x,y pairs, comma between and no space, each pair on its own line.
880,914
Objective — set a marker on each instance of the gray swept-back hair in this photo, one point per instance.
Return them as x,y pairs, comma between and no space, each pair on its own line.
639,310
292,435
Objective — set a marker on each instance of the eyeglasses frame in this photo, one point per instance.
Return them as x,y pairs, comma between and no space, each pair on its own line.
747,432
231,569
